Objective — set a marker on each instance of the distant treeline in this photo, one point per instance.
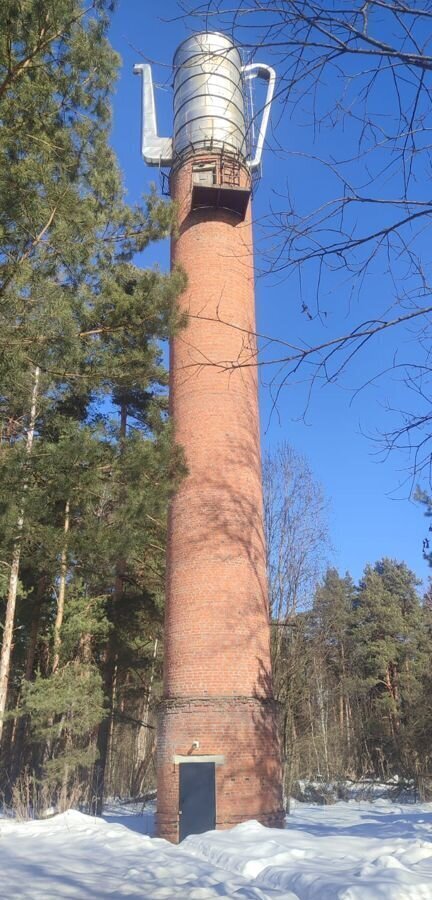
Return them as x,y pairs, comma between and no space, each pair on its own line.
353,675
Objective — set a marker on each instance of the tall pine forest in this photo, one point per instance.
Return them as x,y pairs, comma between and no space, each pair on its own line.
353,675
86,456
88,464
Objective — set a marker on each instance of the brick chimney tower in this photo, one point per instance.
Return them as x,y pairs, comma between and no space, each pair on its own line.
218,756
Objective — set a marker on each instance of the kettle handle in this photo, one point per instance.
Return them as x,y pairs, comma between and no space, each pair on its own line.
267,73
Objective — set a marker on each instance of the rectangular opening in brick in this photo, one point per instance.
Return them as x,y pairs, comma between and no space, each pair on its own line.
204,174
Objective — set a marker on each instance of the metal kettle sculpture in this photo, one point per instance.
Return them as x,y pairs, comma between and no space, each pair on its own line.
209,103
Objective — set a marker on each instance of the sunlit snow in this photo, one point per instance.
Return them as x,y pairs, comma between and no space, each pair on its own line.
349,851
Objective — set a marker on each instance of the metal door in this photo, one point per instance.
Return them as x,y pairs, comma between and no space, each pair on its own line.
197,801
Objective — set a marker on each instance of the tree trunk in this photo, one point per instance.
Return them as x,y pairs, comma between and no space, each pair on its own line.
109,765
34,632
142,738
348,718
341,713
312,732
21,723
320,699
105,730
62,591
6,650
104,734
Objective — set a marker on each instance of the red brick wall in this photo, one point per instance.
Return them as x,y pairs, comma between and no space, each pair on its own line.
217,633
243,731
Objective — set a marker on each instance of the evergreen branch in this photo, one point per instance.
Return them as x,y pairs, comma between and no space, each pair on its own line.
25,256
42,45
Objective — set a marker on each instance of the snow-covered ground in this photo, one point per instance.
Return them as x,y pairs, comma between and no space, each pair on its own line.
349,851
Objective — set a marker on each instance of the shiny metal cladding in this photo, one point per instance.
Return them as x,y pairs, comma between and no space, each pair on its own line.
208,95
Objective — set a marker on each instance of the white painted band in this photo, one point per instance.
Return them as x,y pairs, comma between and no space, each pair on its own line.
218,760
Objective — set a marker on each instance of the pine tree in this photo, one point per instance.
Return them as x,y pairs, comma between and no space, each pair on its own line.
385,647
77,311
332,618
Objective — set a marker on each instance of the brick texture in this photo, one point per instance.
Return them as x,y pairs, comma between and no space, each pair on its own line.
217,673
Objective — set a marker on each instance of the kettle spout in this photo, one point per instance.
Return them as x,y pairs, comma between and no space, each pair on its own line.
156,151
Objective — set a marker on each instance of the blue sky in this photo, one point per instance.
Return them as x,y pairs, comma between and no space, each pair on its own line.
370,516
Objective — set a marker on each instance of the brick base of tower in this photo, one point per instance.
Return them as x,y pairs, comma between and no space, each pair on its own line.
241,731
